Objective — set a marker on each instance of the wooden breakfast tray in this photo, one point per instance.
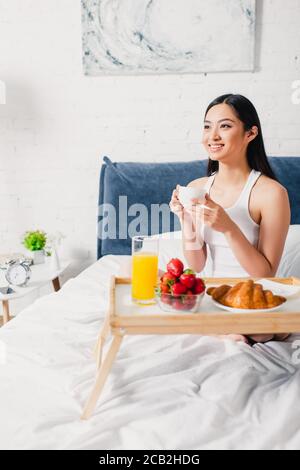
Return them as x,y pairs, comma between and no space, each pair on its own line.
125,318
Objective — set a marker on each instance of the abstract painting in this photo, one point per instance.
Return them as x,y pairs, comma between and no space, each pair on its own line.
167,36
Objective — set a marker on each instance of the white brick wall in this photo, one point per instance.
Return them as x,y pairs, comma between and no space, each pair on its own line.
57,123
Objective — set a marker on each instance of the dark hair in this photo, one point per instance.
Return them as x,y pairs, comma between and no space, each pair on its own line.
246,112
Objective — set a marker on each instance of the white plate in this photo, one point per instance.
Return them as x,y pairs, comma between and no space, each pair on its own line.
278,288
249,310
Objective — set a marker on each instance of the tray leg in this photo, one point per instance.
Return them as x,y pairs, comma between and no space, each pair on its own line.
99,351
6,315
56,284
100,343
102,376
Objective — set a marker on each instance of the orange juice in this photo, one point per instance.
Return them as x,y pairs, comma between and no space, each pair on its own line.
144,276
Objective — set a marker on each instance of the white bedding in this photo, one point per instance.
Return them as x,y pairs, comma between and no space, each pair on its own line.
167,392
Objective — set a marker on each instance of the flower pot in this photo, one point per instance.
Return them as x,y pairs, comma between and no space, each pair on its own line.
38,257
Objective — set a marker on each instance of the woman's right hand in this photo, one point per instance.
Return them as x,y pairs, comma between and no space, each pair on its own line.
175,205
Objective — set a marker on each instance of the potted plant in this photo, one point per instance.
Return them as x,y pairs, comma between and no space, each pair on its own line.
35,242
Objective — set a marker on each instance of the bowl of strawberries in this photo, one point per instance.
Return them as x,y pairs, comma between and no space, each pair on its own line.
179,289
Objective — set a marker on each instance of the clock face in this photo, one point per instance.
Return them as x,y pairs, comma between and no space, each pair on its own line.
17,274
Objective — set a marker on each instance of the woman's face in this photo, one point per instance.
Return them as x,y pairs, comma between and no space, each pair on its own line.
223,134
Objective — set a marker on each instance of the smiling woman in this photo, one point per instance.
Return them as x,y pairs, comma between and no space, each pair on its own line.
244,230
244,235
240,127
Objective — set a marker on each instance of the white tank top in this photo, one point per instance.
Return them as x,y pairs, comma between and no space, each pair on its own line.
223,261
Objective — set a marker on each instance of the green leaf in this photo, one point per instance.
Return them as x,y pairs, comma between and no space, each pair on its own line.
188,271
158,291
35,240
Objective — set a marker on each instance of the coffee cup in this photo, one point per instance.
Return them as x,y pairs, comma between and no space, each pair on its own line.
187,193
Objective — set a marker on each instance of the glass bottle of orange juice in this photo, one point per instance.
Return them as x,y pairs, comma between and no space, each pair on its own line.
144,269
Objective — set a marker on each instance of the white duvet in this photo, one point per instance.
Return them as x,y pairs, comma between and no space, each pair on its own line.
166,392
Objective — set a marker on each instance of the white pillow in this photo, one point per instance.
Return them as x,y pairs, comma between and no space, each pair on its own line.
290,261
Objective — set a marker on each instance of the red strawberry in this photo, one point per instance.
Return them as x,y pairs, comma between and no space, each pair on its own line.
187,306
178,289
166,299
175,267
188,280
164,288
192,303
199,286
178,305
168,279
189,300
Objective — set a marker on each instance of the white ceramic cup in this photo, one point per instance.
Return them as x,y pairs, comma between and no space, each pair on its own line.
187,193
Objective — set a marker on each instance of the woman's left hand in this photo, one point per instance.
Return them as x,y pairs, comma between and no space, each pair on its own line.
214,215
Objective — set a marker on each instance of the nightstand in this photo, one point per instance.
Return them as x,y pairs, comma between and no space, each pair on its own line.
41,275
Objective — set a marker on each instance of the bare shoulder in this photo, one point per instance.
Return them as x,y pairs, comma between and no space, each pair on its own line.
199,182
268,193
266,185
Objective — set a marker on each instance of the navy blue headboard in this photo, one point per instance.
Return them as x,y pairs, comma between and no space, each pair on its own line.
152,183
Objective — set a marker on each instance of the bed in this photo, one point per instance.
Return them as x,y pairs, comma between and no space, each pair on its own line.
167,392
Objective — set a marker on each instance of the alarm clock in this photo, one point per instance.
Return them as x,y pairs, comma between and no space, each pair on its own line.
17,273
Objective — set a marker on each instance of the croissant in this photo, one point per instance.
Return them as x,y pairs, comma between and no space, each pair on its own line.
246,295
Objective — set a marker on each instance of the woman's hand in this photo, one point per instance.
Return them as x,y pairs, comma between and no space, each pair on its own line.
190,228
175,205
212,215
190,234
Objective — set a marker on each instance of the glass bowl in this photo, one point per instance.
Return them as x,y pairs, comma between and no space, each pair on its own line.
179,303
